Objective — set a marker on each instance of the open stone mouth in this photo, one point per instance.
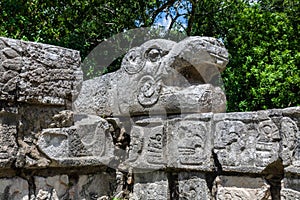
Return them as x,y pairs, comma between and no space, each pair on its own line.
199,61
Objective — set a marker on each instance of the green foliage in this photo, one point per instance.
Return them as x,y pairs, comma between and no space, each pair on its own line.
264,69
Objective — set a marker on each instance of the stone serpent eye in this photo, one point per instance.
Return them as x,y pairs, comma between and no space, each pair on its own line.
154,55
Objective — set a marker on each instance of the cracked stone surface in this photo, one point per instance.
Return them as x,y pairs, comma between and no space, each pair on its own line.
38,73
160,76
154,129
231,187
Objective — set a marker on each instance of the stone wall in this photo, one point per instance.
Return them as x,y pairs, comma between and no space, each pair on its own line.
155,129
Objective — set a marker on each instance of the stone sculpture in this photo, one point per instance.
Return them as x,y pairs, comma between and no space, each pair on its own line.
154,129
161,76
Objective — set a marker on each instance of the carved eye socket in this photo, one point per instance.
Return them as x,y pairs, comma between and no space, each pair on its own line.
158,137
267,129
153,55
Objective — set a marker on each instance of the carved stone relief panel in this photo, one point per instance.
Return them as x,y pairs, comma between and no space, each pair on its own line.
241,188
290,142
267,145
193,186
89,139
175,77
156,146
290,188
150,186
248,142
136,143
14,189
190,142
73,187
229,144
93,186
147,148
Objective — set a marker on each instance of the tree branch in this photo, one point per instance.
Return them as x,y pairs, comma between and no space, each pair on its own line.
160,9
191,18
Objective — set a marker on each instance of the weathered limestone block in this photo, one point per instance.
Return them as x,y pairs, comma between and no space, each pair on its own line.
193,186
32,120
38,81
288,194
88,141
243,188
97,96
93,186
160,76
164,141
74,187
64,118
54,188
150,186
290,144
8,136
184,143
147,149
190,142
246,142
14,189
290,188
38,73
194,99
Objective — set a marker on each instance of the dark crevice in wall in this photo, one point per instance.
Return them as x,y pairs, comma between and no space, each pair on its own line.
217,165
129,181
211,178
173,186
273,174
32,186
121,140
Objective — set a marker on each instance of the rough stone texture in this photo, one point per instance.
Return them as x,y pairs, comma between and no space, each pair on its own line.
51,187
230,187
88,141
190,142
160,75
290,188
152,130
8,136
14,189
37,81
193,186
94,186
38,73
148,145
290,125
246,142
288,194
152,186
73,187
32,120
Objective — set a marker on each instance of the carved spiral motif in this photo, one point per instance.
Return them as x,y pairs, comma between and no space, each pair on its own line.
133,62
149,91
